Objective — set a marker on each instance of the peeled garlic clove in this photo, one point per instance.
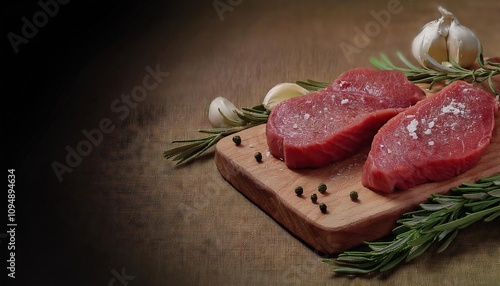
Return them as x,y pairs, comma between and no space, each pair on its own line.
230,118
462,44
431,41
281,92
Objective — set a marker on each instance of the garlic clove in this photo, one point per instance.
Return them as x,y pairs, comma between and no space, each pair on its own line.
281,92
431,41
462,44
416,47
222,113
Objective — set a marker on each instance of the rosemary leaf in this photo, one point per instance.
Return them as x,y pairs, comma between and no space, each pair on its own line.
255,110
493,64
476,196
490,81
436,207
471,217
393,261
417,250
490,179
478,185
190,152
173,152
494,193
312,85
405,61
208,145
492,217
447,242
480,205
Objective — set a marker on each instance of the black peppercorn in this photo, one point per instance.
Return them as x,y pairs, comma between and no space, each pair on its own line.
299,191
258,156
314,198
322,207
322,188
353,195
237,140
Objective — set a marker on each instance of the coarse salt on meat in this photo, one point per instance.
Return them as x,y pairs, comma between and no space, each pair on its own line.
460,122
333,123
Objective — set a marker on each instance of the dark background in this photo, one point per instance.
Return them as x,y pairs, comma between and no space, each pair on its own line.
37,74
34,80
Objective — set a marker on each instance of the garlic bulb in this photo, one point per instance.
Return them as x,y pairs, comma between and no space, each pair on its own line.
446,40
227,118
282,92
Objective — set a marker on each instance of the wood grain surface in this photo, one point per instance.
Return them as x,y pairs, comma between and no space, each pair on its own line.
124,208
270,185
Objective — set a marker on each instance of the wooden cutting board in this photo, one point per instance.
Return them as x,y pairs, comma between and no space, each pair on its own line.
270,185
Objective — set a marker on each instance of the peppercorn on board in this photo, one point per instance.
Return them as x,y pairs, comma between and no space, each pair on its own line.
346,223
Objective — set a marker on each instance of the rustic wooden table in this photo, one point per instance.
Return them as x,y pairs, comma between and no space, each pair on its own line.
122,211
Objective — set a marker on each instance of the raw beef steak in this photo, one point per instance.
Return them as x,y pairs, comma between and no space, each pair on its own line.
438,138
333,123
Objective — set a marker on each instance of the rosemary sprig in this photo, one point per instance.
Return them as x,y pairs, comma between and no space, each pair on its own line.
439,73
436,221
193,148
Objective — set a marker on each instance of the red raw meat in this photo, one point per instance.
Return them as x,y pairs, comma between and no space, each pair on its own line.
333,123
435,140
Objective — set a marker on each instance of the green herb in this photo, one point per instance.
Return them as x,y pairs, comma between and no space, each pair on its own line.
353,195
436,221
299,191
322,207
322,188
439,73
314,198
195,147
258,156
312,85
237,140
